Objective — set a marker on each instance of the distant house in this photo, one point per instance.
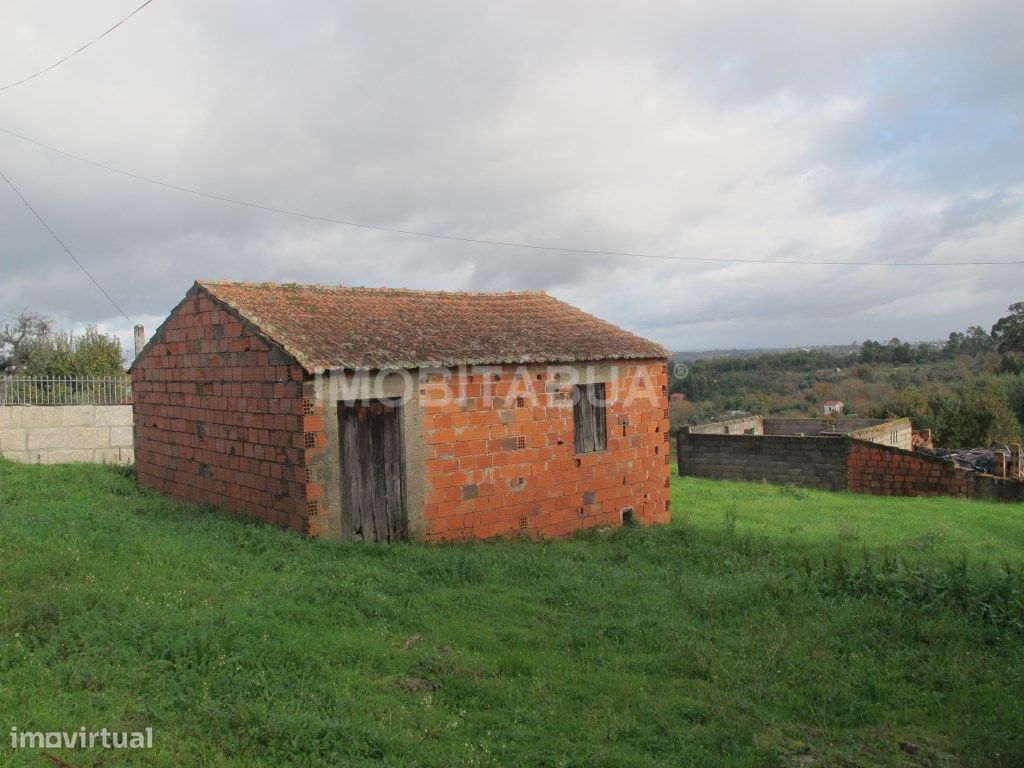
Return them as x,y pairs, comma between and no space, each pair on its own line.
380,414
833,406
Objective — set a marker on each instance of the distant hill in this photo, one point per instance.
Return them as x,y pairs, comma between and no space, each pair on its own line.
690,354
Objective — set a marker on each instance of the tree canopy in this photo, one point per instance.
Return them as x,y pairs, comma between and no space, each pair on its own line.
1008,331
30,345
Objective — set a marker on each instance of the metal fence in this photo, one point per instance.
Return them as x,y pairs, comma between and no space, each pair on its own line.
32,390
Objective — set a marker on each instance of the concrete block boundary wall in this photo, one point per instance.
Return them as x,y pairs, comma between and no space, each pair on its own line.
56,434
895,432
838,463
811,462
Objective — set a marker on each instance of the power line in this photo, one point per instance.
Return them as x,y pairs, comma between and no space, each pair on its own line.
502,243
66,249
76,52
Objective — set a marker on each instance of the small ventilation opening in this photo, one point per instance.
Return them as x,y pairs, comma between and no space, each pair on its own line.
627,515
311,439
524,523
307,407
312,507
520,401
521,442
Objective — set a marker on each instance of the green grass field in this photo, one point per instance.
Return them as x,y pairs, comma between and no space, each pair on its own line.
765,626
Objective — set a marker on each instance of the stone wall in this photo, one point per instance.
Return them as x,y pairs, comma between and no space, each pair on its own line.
55,434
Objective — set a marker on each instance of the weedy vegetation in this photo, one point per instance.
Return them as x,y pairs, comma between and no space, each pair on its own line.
765,626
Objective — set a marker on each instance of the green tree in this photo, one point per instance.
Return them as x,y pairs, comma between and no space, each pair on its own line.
971,413
954,344
977,340
92,354
29,346
1009,331
1013,391
24,343
987,418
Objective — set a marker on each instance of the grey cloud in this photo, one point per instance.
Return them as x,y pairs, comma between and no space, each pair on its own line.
796,130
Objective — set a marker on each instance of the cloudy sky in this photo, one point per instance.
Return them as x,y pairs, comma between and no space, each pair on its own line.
878,131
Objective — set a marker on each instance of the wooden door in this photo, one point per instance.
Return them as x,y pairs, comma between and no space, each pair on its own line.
372,471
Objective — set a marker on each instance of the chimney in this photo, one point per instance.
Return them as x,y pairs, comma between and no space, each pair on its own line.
140,339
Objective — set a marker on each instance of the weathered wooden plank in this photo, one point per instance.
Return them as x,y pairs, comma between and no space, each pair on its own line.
372,472
394,488
590,429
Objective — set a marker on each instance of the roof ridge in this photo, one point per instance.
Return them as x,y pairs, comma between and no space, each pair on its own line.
366,289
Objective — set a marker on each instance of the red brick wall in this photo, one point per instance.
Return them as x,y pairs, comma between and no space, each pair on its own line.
497,467
879,469
219,417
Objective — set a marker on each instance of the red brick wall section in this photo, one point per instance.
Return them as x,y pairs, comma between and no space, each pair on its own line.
888,471
219,418
509,467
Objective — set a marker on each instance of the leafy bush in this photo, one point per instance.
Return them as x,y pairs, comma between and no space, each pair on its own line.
92,354
31,346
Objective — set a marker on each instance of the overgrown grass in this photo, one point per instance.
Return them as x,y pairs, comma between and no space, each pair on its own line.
765,626
802,518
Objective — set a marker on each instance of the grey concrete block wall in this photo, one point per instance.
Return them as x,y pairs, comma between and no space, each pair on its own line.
997,489
782,425
895,432
785,460
54,434
747,425
836,463
898,433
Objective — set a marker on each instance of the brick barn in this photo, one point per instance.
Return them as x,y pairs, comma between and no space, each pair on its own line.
381,414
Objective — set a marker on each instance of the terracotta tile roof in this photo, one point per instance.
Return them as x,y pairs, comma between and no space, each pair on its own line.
325,327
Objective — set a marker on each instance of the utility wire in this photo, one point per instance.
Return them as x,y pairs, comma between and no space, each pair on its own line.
66,249
502,243
75,53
